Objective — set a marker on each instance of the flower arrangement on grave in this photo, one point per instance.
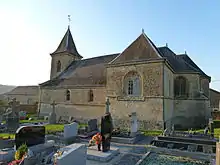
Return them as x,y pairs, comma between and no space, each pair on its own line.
20,155
56,155
21,152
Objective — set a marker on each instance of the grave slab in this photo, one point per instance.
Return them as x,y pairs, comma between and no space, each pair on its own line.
94,154
73,154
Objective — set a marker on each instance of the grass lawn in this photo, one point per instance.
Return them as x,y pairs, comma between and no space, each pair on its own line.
6,135
50,129
31,121
152,132
159,132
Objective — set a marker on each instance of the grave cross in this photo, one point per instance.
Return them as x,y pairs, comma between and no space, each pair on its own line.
107,103
54,104
14,103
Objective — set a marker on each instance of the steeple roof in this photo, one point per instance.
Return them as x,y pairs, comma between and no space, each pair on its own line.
67,44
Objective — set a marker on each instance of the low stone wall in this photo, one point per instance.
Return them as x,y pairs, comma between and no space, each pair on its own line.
29,108
142,124
176,152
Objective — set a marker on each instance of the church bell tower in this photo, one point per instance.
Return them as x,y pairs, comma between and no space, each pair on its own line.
64,55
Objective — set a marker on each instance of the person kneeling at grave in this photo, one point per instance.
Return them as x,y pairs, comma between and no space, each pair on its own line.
96,139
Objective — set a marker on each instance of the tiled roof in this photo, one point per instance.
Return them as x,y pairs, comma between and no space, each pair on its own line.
90,71
180,63
20,90
67,45
93,71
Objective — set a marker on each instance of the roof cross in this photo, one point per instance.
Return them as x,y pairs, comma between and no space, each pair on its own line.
69,20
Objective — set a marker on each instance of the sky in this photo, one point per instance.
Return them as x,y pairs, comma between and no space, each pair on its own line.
30,30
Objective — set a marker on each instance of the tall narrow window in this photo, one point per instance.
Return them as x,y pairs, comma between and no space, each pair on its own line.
130,87
67,95
180,86
91,96
58,66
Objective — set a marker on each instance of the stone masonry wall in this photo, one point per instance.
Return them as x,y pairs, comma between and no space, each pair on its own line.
205,86
78,106
149,106
151,76
78,96
65,60
191,113
77,112
194,83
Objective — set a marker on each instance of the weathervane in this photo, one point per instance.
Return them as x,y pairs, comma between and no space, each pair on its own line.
142,30
69,20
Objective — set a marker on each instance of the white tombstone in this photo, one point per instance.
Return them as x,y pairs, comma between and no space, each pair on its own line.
134,124
74,154
70,130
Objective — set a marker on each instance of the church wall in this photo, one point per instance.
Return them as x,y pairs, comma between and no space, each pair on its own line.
79,112
23,94
151,75
214,99
149,106
78,106
168,95
24,99
78,95
194,83
191,113
205,86
149,112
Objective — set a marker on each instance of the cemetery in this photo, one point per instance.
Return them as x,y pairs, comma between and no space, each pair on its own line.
66,141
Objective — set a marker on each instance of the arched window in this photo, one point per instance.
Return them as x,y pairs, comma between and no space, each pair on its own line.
91,96
67,95
180,87
132,84
58,66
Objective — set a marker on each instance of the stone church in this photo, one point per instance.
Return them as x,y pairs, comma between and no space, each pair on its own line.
162,87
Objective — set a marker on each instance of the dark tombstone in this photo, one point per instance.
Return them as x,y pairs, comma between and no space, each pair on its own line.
29,135
92,125
106,131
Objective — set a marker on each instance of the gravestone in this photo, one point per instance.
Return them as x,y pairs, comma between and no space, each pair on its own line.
12,115
53,116
134,124
70,132
73,154
107,104
92,125
29,135
211,126
106,131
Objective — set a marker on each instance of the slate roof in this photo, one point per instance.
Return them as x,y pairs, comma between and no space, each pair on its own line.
21,90
67,45
92,71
